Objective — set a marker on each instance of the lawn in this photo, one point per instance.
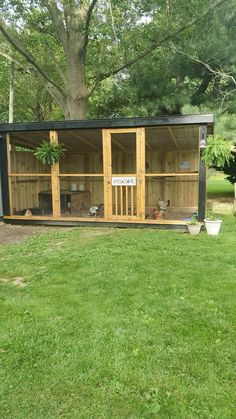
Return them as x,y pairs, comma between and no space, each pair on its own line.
118,323
218,186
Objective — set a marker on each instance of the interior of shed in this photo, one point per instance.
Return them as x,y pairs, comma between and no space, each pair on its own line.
171,173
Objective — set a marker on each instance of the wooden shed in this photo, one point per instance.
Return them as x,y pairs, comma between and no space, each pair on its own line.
140,171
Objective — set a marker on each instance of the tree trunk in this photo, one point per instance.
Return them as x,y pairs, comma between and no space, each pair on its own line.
75,108
76,96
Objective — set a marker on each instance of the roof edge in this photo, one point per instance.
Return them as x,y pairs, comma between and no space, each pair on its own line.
109,123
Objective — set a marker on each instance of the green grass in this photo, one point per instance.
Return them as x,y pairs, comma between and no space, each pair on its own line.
127,324
219,187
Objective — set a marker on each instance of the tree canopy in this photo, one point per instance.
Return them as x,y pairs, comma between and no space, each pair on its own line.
114,58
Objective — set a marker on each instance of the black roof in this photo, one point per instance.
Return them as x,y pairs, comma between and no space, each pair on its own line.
109,123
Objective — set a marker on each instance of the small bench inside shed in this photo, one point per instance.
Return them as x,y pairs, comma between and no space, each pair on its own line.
137,170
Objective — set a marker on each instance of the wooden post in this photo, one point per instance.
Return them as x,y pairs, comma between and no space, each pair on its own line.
201,189
4,178
132,200
116,201
106,140
56,204
121,200
126,201
234,198
141,173
8,143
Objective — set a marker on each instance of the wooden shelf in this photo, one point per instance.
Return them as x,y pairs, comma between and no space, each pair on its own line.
171,174
29,174
81,175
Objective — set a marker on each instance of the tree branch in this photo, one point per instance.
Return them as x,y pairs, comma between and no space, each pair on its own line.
157,43
89,13
12,59
219,73
57,20
225,96
55,90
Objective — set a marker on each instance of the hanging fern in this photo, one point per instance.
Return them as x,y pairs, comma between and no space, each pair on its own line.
217,151
49,153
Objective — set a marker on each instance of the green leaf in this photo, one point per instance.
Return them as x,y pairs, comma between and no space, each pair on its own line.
49,153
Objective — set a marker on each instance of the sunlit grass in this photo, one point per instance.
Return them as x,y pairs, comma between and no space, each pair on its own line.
118,324
219,187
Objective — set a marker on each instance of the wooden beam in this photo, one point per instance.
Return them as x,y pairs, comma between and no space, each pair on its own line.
26,144
119,219
171,174
29,174
149,147
113,140
95,147
80,175
113,124
172,136
122,130
56,204
80,137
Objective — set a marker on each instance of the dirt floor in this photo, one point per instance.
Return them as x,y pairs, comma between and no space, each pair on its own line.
12,234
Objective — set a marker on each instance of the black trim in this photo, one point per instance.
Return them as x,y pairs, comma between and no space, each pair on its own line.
110,123
201,189
4,176
94,224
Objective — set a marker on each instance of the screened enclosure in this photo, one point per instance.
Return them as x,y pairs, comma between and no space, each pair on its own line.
147,174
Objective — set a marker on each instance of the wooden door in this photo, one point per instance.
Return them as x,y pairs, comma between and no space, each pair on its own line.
124,174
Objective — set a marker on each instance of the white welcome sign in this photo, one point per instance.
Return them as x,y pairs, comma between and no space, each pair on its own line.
123,181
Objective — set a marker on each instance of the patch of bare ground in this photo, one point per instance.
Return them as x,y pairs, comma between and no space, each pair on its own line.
97,232
10,234
18,281
221,205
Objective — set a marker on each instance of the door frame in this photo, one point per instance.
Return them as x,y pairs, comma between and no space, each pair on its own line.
140,173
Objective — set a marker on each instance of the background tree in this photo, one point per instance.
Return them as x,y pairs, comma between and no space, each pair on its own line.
71,46
192,71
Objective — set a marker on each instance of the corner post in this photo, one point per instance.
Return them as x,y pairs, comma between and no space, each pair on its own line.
56,202
4,175
201,189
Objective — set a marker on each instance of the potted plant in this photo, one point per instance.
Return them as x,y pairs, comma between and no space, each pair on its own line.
194,227
212,224
49,153
216,153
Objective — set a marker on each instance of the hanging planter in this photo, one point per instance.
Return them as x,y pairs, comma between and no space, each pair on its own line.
217,151
49,153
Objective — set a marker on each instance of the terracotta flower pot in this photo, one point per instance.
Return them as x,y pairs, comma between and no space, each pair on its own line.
194,229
